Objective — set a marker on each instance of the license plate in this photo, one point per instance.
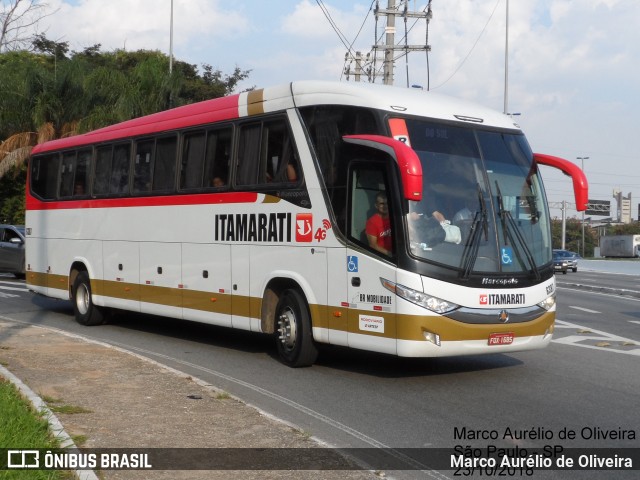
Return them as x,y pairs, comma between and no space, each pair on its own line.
501,338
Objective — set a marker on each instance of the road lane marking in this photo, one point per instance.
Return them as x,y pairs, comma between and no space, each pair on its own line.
15,289
584,309
635,321
8,295
605,340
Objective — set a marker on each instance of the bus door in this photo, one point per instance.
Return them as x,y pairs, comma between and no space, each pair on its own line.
370,258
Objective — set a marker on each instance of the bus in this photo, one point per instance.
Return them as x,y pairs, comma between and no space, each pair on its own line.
256,211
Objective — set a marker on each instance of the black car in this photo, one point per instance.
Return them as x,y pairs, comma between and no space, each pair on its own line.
560,263
570,257
12,249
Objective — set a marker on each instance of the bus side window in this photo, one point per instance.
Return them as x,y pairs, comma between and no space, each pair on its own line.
164,164
44,175
280,163
142,164
102,173
119,183
67,171
266,154
81,178
249,155
216,167
193,148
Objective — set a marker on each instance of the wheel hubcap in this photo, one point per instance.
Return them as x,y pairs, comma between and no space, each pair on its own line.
287,328
82,299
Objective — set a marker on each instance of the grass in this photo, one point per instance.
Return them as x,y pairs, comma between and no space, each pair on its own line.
22,427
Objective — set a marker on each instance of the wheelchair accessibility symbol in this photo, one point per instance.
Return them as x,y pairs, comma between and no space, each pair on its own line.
506,255
352,263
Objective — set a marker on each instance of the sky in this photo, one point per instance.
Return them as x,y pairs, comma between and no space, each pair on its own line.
573,65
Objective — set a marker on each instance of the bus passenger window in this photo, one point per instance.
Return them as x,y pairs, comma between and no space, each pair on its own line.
216,167
192,160
266,154
81,178
44,176
120,172
103,170
164,165
281,166
66,174
249,155
142,164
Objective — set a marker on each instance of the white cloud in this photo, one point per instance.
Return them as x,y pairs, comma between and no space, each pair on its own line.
143,24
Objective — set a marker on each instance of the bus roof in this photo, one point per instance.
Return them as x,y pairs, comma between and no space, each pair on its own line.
296,94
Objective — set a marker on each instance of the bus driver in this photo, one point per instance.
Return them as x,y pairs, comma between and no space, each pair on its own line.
378,227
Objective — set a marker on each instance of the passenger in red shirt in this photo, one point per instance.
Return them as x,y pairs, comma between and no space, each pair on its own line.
379,226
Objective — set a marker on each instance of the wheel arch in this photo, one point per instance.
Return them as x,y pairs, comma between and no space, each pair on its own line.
78,265
277,284
270,298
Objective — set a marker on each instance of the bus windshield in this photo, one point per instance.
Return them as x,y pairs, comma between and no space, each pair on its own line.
483,208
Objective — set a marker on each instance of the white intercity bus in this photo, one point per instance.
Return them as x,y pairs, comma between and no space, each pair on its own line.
260,210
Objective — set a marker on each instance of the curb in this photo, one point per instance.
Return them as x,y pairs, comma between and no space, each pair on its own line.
55,427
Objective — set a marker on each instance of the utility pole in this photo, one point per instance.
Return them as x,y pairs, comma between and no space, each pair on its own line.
389,47
171,40
357,74
506,65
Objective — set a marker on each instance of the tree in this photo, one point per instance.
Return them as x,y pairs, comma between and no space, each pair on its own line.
49,93
573,237
18,22
628,229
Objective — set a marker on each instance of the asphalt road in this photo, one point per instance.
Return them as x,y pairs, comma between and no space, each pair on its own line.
586,382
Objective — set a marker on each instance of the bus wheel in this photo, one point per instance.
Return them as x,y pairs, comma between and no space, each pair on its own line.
86,312
293,335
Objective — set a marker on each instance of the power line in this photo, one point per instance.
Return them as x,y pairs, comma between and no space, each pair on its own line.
341,36
472,48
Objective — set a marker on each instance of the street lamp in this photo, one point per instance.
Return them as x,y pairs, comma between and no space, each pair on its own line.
582,159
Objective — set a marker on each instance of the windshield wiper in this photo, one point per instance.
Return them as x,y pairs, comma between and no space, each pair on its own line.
509,229
473,243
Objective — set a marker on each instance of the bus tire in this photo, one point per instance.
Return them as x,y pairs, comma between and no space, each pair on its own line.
86,312
294,336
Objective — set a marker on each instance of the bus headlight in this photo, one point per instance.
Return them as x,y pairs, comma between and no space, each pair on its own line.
429,302
548,303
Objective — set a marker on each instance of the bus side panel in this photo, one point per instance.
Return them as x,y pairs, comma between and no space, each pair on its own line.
36,264
241,293
206,277
160,278
121,285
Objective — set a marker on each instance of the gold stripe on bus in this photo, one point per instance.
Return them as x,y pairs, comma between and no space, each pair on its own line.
207,301
121,290
36,279
59,282
255,102
171,297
